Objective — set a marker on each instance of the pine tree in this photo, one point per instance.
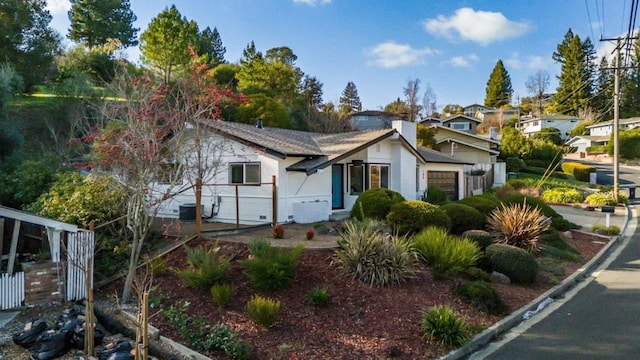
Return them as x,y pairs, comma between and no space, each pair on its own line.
576,75
499,88
94,22
250,54
603,98
630,99
210,44
350,101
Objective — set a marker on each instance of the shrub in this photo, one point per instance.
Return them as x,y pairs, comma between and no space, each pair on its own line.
601,229
319,296
207,267
514,163
221,294
532,202
518,225
562,196
516,184
514,262
463,217
484,297
409,217
561,254
483,203
440,323
578,170
271,268
278,231
552,238
264,311
480,237
158,265
561,224
375,203
310,234
445,253
435,195
367,254
605,198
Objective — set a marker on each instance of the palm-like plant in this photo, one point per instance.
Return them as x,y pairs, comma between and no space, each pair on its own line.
519,225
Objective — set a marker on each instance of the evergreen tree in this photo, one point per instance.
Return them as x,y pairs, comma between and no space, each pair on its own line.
165,43
93,22
312,91
576,75
630,99
26,40
210,44
499,88
603,98
350,101
250,54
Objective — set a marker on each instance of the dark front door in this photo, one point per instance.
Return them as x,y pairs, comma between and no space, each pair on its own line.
337,186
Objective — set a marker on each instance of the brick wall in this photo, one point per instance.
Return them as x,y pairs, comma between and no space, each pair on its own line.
43,282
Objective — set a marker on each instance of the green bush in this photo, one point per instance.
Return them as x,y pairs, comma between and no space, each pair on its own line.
514,164
565,255
271,268
601,229
514,262
484,297
409,217
463,217
206,268
561,224
319,296
562,196
440,323
221,294
597,149
436,196
365,252
480,237
445,253
516,184
518,225
578,170
605,198
628,144
532,202
483,203
375,203
264,311
553,238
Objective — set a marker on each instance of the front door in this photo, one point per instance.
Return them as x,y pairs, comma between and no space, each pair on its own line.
337,186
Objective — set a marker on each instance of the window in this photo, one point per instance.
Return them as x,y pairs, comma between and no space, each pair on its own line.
460,126
356,179
378,176
244,173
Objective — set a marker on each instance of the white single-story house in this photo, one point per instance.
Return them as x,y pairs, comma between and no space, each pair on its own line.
605,128
530,126
315,174
582,142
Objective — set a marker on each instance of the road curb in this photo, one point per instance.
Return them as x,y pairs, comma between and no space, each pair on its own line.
509,322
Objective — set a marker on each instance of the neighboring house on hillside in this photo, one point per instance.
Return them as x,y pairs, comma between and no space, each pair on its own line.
474,109
461,145
462,123
582,142
315,174
372,119
430,120
605,128
530,126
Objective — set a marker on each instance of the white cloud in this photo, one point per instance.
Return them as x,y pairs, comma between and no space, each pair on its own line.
530,62
58,6
391,54
483,27
312,2
461,61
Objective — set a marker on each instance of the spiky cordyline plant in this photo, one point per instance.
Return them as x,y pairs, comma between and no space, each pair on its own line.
518,225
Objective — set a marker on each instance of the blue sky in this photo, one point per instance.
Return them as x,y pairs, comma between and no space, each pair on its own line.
380,45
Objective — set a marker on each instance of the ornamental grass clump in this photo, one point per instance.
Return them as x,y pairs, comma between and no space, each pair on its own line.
445,253
206,267
440,323
263,310
271,268
368,254
519,225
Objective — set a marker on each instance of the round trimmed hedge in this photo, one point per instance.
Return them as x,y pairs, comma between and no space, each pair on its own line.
375,203
483,203
516,263
463,217
411,216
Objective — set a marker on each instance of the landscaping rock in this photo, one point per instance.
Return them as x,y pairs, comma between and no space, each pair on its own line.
500,278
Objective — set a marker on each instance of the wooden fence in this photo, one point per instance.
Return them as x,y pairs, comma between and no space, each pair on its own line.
11,290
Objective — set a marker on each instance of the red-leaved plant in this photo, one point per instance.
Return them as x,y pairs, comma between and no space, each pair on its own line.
310,234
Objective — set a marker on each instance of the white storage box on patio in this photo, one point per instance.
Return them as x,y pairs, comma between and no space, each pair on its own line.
307,212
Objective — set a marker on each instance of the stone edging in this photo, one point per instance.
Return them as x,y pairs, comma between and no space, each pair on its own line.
509,322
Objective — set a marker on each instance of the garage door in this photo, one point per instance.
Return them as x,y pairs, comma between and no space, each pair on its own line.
445,180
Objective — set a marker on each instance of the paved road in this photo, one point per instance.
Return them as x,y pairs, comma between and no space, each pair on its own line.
628,174
599,319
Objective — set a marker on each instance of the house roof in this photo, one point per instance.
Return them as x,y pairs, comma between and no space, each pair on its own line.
434,156
454,117
429,119
551,117
319,150
464,133
610,122
458,141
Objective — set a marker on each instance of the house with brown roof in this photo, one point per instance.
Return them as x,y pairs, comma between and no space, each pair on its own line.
462,123
279,175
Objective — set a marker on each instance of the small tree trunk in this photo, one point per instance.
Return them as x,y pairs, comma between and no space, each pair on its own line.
198,206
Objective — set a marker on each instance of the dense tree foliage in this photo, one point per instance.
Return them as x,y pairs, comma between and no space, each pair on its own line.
499,89
603,98
397,107
26,39
210,44
630,99
94,22
577,71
